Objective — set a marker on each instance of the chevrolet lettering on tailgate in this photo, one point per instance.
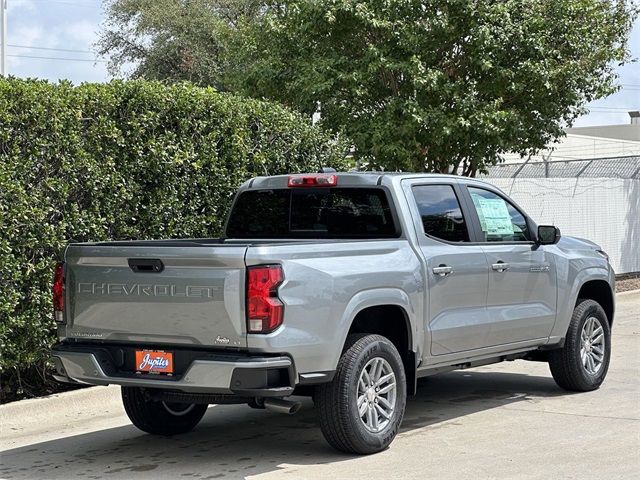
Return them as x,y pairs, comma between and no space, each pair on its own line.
194,291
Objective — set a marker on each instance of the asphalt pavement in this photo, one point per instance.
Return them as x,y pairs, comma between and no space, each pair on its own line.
501,421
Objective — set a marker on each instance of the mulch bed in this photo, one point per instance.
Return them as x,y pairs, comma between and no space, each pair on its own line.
628,283
33,383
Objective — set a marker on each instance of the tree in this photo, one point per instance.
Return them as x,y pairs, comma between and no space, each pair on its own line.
171,39
431,85
436,85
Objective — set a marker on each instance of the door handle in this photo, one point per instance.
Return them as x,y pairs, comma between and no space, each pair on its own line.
443,270
500,266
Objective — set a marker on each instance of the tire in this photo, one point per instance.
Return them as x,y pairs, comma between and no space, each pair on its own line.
160,418
570,369
337,401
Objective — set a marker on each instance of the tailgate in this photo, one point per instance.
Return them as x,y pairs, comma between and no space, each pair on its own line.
116,293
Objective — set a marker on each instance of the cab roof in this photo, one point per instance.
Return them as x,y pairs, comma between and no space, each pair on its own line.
351,179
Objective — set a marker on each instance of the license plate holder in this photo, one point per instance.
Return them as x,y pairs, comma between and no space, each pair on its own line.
154,362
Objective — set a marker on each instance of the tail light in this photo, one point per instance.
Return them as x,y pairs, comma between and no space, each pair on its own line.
313,181
264,308
58,293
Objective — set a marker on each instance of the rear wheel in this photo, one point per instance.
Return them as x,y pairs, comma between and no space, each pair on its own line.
160,418
582,364
362,407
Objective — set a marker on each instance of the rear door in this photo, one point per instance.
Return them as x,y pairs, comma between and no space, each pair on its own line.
521,301
457,272
180,295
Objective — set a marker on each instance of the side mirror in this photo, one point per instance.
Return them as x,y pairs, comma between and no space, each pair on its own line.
548,235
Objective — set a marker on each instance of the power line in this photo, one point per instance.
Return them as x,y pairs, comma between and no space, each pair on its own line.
605,112
59,58
628,86
75,4
49,48
610,109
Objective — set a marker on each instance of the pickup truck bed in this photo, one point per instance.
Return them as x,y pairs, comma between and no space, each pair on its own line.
176,292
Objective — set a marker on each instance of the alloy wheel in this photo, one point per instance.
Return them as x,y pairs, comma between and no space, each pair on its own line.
592,345
376,394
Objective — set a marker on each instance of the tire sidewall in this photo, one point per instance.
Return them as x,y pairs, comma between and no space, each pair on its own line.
592,310
383,349
153,417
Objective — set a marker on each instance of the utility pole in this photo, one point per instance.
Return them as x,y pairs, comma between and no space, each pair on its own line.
3,48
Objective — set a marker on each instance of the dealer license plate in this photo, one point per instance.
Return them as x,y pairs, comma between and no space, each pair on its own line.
154,361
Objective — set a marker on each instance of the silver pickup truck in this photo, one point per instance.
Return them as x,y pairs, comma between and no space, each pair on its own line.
345,287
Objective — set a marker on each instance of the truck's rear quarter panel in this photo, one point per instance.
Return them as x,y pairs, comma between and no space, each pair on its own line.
325,286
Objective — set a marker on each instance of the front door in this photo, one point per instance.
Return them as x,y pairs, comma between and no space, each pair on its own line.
521,300
457,272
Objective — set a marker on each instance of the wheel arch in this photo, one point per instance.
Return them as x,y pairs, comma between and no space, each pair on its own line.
389,320
591,281
387,312
599,291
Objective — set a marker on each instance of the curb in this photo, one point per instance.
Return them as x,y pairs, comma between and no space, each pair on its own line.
628,292
37,409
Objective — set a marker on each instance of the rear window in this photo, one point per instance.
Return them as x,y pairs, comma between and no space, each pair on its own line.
312,213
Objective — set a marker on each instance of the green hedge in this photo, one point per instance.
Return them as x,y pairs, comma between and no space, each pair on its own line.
123,160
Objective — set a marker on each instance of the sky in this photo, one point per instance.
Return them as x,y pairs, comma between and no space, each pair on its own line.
63,30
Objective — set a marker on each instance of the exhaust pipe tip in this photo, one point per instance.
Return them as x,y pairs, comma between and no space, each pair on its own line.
295,407
288,407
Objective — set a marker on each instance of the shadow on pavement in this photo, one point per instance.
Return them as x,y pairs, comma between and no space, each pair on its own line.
235,441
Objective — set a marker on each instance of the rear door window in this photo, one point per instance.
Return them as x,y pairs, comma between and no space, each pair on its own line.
440,212
312,213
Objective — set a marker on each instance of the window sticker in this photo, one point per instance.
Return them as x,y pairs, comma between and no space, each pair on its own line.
494,215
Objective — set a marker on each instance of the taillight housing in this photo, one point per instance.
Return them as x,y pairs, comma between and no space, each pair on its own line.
264,308
313,181
58,293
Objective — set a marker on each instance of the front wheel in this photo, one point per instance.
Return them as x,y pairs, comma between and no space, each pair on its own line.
582,364
160,418
361,409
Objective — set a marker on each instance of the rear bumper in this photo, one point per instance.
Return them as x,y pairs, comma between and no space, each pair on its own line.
234,374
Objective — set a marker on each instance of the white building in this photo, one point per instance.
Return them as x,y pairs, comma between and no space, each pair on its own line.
591,142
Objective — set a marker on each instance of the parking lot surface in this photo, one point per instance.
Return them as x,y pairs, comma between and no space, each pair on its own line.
501,421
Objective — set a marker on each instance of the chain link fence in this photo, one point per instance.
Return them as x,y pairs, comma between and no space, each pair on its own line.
610,167
597,199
